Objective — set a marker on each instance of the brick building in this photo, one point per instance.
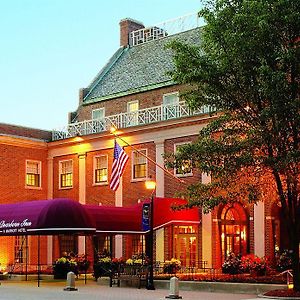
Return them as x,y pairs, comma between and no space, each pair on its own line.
134,93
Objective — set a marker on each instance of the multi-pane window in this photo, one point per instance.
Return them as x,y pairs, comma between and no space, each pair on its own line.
33,173
138,244
132,110
98,114
171,106
20,249
139,164
68,244
66,173
100,169
185,168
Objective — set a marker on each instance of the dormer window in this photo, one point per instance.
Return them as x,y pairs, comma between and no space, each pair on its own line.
132,113
171,106
98,114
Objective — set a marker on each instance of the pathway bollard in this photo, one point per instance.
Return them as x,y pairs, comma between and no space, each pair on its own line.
70,282
174,289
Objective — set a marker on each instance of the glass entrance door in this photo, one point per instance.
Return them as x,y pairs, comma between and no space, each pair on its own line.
185,245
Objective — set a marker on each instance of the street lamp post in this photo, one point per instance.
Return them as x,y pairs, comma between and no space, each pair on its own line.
150,185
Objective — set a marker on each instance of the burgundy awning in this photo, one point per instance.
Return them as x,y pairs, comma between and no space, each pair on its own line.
113,219
45,217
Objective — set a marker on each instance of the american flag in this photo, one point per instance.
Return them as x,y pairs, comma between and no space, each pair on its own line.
119,163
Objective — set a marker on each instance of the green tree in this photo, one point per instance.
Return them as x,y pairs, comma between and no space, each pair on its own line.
247,68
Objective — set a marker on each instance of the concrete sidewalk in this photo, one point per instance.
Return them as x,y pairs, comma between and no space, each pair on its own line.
14,290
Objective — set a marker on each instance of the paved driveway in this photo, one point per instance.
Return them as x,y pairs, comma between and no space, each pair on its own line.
10,290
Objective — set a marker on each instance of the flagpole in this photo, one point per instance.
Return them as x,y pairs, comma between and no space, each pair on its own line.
150,159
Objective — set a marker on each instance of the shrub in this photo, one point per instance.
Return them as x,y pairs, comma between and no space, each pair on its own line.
284,261
231,264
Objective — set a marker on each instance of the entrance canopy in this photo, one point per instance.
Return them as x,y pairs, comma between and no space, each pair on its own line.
44,217
58,216
112,219
164,213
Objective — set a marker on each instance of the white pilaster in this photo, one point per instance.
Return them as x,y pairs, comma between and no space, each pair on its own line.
160,178
160,248
259,229
206,230
81,176
118,237
82,194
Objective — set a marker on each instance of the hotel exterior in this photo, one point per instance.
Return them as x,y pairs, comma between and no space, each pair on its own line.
133,93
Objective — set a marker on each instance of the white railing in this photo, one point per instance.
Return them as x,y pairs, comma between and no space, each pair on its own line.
124,120
167,28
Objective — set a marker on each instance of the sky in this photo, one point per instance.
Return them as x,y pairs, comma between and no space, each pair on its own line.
52,48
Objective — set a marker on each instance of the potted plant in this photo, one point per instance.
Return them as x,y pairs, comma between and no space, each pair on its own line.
62,266
172,266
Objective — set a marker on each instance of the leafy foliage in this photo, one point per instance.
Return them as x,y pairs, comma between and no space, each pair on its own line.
247,68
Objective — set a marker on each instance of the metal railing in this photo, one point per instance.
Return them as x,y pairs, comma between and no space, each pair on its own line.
167,28
125,120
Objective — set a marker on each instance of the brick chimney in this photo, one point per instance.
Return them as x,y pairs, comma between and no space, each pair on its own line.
126,26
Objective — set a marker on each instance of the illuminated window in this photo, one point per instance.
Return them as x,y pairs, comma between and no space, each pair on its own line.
138,244
186,167
33,173
132,113
68,244
66,173
100,169
139,166
20,249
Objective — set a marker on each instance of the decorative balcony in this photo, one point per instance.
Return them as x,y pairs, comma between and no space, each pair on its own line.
125,120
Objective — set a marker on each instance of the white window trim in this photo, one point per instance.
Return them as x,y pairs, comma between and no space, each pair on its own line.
135,121
94,168
131,102
99,109
186,174
132,164
169,94
59,173
40,173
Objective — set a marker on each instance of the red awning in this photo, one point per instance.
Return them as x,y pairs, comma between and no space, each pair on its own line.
164,214
112,219
45,217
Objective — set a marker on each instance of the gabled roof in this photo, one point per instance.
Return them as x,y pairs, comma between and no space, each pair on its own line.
137,68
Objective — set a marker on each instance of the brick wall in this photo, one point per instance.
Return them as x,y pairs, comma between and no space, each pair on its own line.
13,171
119,105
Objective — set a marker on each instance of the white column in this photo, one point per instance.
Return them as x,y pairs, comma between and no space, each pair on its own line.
206,230
50,196
160,247
259,229
118,237
160,192
160,176
81,176
81,192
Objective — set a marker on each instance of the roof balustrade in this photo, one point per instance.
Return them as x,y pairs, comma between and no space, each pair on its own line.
128,119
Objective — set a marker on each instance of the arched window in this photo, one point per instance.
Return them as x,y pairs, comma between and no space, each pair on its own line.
233,230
